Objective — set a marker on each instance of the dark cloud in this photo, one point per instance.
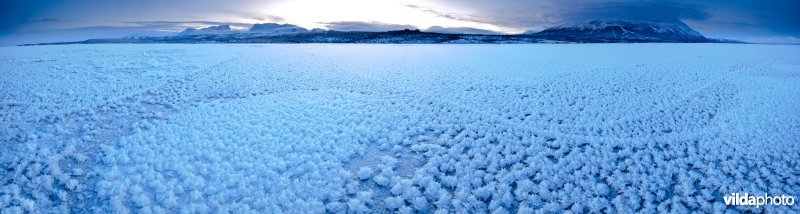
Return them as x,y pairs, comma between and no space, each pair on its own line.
14,13
649,10
48,20
741,19
749,20
775,18
365,26
541,14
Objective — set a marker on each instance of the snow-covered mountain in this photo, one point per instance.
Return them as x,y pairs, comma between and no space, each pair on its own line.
597,31
270,29
623,31
459,30
221,29
277,29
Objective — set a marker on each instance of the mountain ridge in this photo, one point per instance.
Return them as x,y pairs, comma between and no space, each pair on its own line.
617,30
219,29
593,31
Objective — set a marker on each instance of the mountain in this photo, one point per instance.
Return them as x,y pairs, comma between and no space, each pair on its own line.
460,30
597,31
221,29
260,29
318,30
623,31
319,36
277,29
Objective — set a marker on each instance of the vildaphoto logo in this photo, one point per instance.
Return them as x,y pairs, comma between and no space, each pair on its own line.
737,199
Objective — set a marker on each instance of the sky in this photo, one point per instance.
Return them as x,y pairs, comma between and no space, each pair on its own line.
27,21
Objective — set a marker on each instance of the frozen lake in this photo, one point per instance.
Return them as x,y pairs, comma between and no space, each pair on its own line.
317,128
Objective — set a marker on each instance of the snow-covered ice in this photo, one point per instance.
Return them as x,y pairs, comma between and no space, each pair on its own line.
315,128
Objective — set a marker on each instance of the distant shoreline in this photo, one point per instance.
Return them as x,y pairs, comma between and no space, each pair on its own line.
390,37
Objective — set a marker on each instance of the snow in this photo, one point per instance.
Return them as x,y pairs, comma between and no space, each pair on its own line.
364,173
279,29
317,128
626,30
220,29
669,26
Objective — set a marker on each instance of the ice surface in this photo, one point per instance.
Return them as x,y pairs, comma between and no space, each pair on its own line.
397,128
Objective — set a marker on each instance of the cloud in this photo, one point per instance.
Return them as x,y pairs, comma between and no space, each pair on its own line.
449,15
778,17
14,13
541,14
485,19
651,10
365,26
46,20
264,17
255,16
751,21
716,18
